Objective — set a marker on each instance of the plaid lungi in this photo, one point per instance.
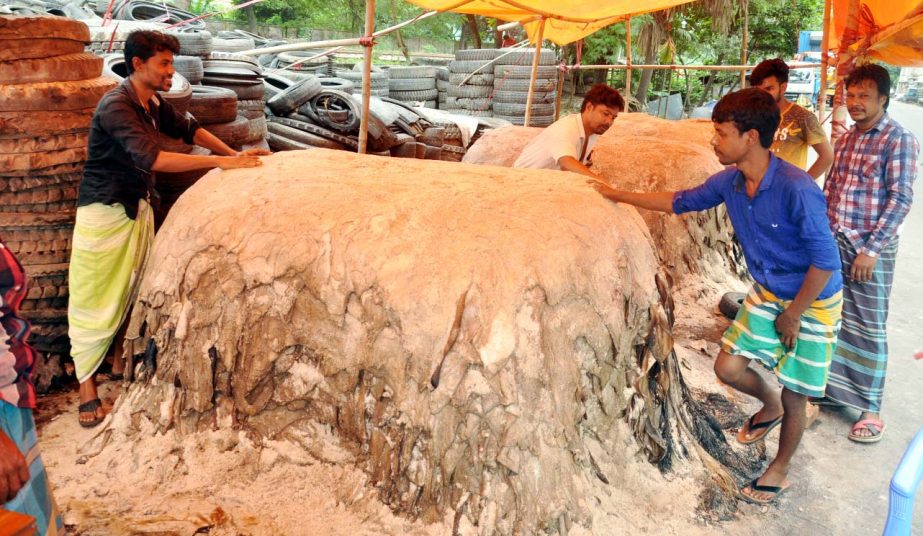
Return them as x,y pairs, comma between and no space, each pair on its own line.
35,498
857,374
802,369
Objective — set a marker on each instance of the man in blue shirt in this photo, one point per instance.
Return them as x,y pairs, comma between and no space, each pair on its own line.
790,318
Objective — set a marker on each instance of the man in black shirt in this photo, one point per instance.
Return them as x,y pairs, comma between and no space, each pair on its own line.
113,232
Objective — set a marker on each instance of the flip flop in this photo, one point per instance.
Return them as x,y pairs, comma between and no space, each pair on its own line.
90,407
755,486
875,426
824,401
763,427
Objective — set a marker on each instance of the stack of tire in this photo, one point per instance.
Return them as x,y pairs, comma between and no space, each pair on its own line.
380,84
471,80
414,85
232,41
512,74
323,66
241,74
442,85
49,88
111,37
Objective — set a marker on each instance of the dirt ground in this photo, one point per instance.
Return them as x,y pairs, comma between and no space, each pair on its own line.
840,487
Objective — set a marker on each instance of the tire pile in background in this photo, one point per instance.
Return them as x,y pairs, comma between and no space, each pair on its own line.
414,85
470,82
512,73
49,88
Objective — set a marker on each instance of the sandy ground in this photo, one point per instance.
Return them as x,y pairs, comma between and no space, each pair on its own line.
219,484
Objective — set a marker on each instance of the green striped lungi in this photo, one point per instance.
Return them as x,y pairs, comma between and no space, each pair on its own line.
108,254
35,498
804,368
857,374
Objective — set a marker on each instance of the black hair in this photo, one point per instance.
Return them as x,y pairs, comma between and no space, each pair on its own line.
605,95
774,67
875,73
144,44
749,109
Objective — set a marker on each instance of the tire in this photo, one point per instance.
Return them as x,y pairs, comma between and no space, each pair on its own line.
477,54
211,105
28,163
442,85
56,96
472,113
402,73
339,84
190,67
520,97
379,78
465,67
248,61
220,44
38,238
251,109
524,56
481,105
469,92
543,85
457,79
534,121
302,123
414,96
34,48
234,133
417,84
303,137
257,129
248,91
180,94
43,27
730,304
231,69
36,144
274,84
506,108
381,92
64,68
288,100
44,194
442,73
44,123
525,71
193,42
278,143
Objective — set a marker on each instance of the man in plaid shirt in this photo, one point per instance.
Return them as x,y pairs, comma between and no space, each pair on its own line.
869,192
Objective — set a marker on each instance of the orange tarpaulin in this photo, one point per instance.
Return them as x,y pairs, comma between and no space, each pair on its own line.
565,21
887,30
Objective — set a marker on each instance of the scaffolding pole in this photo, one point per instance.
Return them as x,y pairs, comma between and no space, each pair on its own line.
743,46
689,67
368,42
538,52
824,61
628,61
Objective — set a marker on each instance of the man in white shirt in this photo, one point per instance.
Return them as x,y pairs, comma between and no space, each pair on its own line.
568,143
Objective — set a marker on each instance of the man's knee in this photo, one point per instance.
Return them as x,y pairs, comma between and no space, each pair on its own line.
730,368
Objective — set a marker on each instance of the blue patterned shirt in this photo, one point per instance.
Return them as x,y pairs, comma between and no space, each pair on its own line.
783,229
870,187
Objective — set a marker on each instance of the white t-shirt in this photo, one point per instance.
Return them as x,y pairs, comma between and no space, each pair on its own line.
563,138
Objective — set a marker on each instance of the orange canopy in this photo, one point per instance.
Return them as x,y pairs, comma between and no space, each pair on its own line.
565,21
888,30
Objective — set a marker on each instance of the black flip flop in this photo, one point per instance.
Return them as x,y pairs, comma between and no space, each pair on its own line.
90,407
775,490
766,426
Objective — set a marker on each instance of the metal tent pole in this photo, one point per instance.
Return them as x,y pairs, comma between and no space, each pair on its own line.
538,53
368,42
